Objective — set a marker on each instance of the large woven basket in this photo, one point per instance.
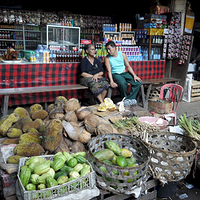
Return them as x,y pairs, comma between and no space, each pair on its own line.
172,155
128,178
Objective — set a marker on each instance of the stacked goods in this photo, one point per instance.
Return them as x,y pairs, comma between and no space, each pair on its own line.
56,175
120,162
65,126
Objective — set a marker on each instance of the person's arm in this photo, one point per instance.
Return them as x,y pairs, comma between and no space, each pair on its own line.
95,76
108,67
129,68
198,56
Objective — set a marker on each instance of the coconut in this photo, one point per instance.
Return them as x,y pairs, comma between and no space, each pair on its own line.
71,117
82,112
56,113
77,147
91,122
72,105
84,136
71,130
105,128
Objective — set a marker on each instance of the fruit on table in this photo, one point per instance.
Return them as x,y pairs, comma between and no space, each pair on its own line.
37,123
25,174
31,137
121,161
53,135
60,101
7,123
34,178
80,159
67,155
28,149
72,162
62,179
114,147
78,167
57,164
42,167
35,159
86,170
60,173
130,161
104,154
41,186
21,112
14,132
14,159
126,153
51,182
30,187
74,174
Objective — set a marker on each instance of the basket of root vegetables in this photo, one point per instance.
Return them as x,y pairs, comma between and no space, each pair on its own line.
120,162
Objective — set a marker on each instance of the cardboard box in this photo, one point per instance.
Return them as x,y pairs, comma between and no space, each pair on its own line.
160,106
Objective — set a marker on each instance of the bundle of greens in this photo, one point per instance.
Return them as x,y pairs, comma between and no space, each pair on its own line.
190,126
134,127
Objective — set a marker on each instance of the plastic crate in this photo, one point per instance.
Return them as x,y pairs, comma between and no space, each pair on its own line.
79,184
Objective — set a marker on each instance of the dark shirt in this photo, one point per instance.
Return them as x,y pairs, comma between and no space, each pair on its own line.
87,67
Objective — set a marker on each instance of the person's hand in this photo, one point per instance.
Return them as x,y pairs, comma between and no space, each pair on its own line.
113,84
136,78
193,61
95,77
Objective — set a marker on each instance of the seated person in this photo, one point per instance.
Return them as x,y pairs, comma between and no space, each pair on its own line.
116,63
92,74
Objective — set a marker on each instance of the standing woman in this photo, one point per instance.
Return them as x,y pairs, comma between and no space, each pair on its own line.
92,74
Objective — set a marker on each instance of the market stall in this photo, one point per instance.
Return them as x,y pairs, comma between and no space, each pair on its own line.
68,150
50,74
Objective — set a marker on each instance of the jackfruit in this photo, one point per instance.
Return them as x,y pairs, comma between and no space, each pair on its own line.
53,135
20,123
31,137
28,149
34,124
60,101
14,159
12,118
14,132
22,112
41,114
35,108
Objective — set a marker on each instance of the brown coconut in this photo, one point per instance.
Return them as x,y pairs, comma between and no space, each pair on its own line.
84,136
82,112
71,117
72,105
105,128
91,122
77,147
56,113
72,130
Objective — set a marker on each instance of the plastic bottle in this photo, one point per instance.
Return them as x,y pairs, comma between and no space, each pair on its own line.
37,55
40,48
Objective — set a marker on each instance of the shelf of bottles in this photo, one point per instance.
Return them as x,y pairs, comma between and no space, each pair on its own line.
151,45
21,37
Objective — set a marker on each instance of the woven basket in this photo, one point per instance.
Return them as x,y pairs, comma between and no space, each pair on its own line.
172,155
128,178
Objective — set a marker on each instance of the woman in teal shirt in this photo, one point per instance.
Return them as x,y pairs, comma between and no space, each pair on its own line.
120,72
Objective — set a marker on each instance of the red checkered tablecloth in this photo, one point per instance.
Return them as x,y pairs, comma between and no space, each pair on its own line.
50,74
